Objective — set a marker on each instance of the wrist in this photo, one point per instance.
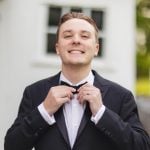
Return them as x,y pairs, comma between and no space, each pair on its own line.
47,108
98,115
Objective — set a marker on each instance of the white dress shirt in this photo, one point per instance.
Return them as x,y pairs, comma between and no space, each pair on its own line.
73,111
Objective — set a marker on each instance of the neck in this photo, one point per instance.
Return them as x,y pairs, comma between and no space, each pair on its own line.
75,74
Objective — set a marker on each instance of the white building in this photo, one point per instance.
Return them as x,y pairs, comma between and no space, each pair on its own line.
25,26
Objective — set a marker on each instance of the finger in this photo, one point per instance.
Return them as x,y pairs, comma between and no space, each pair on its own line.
72,89
89,89
87,92
65,91
64,100
85,98
68,94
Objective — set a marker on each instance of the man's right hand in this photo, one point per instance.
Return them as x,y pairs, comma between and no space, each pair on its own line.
56,97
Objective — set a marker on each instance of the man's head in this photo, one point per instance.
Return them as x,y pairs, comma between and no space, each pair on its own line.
77,15
77,40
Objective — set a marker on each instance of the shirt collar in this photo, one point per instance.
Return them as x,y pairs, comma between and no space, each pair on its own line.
89,79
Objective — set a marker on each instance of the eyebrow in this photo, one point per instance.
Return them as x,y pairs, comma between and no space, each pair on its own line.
83,31
66,31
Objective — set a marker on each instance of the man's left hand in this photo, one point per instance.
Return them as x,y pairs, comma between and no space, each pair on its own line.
91,94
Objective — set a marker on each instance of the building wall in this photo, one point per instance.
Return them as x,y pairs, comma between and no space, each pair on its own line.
22,61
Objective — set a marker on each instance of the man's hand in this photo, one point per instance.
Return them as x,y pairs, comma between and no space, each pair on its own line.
91,94
56,97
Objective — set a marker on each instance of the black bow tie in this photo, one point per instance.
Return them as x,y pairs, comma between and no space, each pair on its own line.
75,87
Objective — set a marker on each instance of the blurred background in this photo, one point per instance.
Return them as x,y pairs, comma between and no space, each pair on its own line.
27,48
143,60
143,48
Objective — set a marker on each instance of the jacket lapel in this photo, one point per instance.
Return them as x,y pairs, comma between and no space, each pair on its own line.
60,121
59,115
86,117
99,82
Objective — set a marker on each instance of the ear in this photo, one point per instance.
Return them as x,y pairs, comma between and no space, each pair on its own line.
57,49
96,50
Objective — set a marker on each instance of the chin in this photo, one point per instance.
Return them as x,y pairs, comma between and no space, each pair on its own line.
76,62
79,64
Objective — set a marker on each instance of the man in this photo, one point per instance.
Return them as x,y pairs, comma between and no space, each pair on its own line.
96,115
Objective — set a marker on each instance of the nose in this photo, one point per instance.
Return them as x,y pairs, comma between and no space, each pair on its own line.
76,39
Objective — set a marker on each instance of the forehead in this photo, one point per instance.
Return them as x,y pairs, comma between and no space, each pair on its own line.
76,24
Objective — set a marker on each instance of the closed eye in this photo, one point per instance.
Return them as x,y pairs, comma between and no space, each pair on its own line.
67,36
85,36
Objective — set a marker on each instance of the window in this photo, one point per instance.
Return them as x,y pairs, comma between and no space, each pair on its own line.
97,15
51,42
54,14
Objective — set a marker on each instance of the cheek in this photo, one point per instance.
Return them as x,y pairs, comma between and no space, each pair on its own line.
59,48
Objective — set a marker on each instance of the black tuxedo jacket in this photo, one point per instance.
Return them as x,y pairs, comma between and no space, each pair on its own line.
118,129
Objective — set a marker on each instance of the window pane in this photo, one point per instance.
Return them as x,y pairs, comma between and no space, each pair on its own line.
51,40
54,16
98,17
100,53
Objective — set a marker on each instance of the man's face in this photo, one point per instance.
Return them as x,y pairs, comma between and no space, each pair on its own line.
76,42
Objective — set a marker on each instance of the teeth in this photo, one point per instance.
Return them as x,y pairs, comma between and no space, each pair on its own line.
75,52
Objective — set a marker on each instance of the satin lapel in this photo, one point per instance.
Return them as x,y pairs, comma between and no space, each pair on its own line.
86,117
60,121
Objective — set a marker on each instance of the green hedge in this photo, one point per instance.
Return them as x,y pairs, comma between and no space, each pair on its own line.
143,65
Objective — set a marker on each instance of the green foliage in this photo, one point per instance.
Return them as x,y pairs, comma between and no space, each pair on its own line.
143,20
143,65
143,53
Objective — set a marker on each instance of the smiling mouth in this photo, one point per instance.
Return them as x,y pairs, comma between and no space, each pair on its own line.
76,51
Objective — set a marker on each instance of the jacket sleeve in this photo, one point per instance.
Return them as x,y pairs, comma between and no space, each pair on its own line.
125,129
27,128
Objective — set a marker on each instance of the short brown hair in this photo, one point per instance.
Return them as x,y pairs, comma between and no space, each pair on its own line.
77,15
